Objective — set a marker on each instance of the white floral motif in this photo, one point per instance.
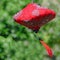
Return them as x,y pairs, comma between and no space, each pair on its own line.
26,20
35,12
38,6
18,14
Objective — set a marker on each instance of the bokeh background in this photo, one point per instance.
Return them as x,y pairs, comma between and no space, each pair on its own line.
18,42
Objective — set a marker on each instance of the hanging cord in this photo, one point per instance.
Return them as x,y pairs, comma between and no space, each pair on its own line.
32,1
48,49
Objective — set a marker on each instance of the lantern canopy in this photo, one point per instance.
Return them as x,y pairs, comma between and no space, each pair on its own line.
34,16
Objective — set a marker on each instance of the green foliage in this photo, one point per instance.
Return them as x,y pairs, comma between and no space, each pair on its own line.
18,42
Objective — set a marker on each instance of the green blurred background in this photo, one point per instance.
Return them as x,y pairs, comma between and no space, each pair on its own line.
18,42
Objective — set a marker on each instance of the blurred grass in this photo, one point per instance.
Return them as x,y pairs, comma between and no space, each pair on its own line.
18,42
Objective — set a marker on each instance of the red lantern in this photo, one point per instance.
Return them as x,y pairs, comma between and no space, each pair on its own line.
34,16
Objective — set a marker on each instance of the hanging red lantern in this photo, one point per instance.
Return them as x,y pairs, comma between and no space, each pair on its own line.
34,17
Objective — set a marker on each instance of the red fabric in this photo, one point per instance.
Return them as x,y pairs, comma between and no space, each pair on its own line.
33,16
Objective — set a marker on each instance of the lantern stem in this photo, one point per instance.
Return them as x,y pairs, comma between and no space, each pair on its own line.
36,31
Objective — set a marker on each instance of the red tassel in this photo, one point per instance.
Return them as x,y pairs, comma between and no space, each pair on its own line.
48,49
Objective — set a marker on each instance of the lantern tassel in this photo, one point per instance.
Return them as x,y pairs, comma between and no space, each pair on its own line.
48,49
